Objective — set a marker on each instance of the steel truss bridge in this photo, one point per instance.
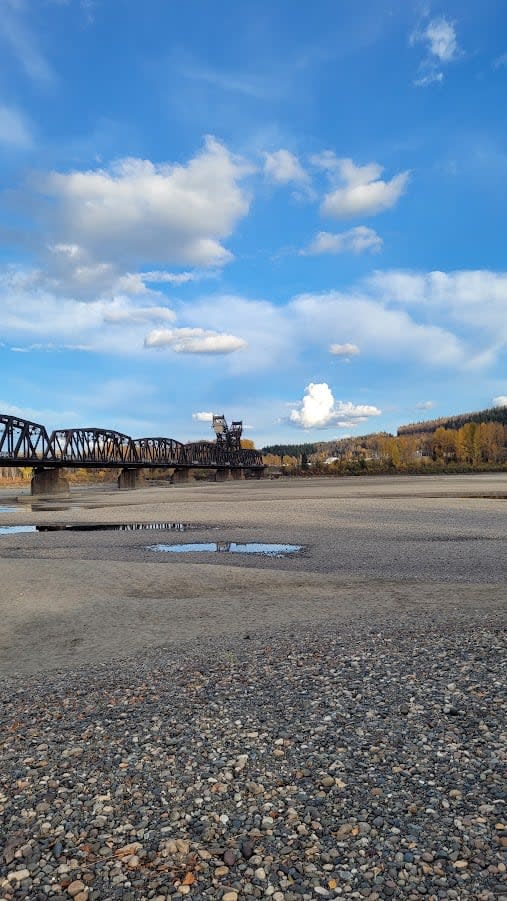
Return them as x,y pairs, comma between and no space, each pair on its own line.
24,443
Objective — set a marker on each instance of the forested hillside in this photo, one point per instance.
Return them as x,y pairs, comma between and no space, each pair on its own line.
495,414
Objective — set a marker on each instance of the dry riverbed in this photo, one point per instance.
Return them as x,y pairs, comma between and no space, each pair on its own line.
222,726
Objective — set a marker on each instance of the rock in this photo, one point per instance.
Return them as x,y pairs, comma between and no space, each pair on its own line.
247,849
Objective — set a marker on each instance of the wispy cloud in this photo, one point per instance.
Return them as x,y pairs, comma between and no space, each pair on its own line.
425,405
248,84
355,240
19,38
440,40
14,129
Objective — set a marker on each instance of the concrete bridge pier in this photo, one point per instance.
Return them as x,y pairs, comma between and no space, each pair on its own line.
237,473
223,474
130,478
48,480
182,476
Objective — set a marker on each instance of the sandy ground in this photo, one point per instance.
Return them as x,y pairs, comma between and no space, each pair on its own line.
372,547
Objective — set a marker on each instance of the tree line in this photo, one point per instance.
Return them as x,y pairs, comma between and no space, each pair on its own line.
494,414
472,446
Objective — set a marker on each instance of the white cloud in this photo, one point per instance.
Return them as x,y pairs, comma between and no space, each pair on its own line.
101,222
318,409
118,316
431,78
172,278
268,329
363,192
203,417
440,36
500,61
283,167
445,320
441,43
194,341
380,332
355,240
14,129
344,350
473,298
425,405
500,401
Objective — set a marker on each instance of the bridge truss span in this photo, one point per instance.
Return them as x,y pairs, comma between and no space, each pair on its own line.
22,443
25,443
92,447
160,452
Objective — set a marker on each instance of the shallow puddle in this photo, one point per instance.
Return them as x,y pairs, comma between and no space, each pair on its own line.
118,527
228,547
9,530
103,526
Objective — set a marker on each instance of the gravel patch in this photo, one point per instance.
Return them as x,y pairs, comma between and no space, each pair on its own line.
359,761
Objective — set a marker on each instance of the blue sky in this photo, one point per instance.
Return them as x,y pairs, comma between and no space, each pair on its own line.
292,213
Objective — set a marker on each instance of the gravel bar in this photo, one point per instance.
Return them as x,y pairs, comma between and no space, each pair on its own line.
365,760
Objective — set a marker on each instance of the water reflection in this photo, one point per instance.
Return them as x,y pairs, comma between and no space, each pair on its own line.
228,547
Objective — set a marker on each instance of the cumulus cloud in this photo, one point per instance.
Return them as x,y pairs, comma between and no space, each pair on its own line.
283,167
356,240
344,350
194,341
318,409
362,192
500,401
441,43
136,212
14,129
203,417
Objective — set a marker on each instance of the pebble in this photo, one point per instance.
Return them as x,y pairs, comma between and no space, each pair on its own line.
365,762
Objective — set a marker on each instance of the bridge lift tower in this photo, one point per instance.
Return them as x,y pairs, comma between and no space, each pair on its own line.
229,438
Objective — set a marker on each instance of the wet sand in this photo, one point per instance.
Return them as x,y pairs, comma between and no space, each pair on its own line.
372,549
